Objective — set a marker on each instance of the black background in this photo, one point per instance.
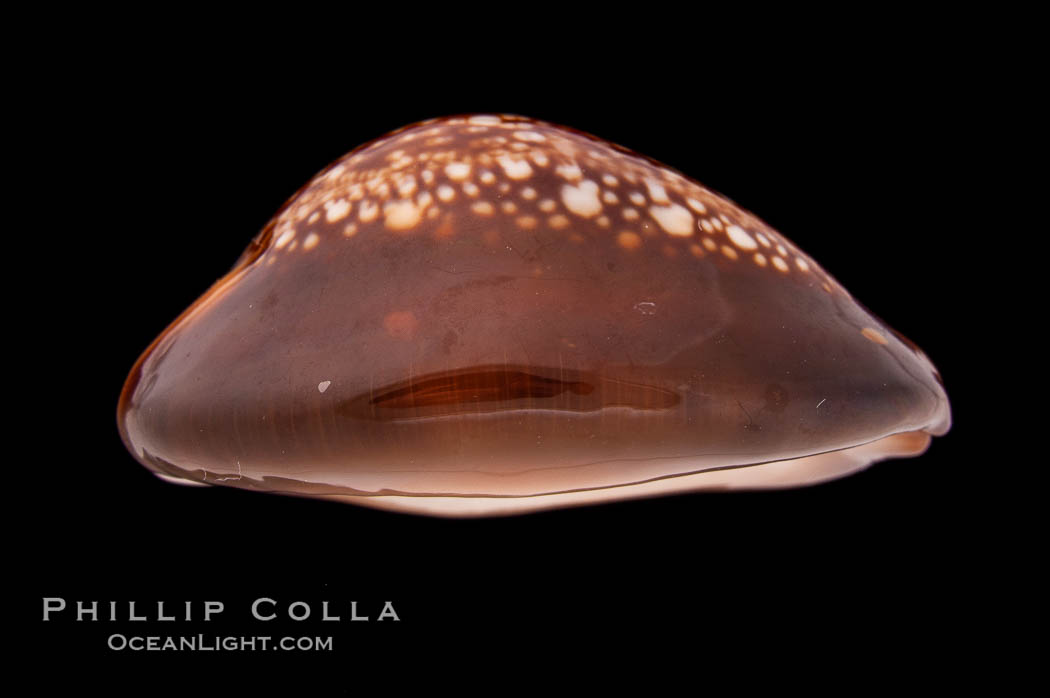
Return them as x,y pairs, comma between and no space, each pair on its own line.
157,173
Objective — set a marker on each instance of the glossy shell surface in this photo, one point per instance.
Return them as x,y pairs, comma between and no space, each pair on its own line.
489,315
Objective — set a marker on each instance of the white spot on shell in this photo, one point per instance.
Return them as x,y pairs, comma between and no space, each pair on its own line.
531,136
368,211
801,264
446,193
485,120
284,238
407,186
515,169
656,191
311,241
337,211
457,171
482,208
740,238
582,199
675,219
697,206
572,172
323,386
402,215
780,264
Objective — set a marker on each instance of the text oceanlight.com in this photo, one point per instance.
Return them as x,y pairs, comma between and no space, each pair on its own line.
217,643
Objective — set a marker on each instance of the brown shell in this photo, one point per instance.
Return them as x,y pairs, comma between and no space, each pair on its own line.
489,314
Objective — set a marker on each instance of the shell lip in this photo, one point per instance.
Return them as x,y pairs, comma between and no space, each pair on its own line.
824,466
